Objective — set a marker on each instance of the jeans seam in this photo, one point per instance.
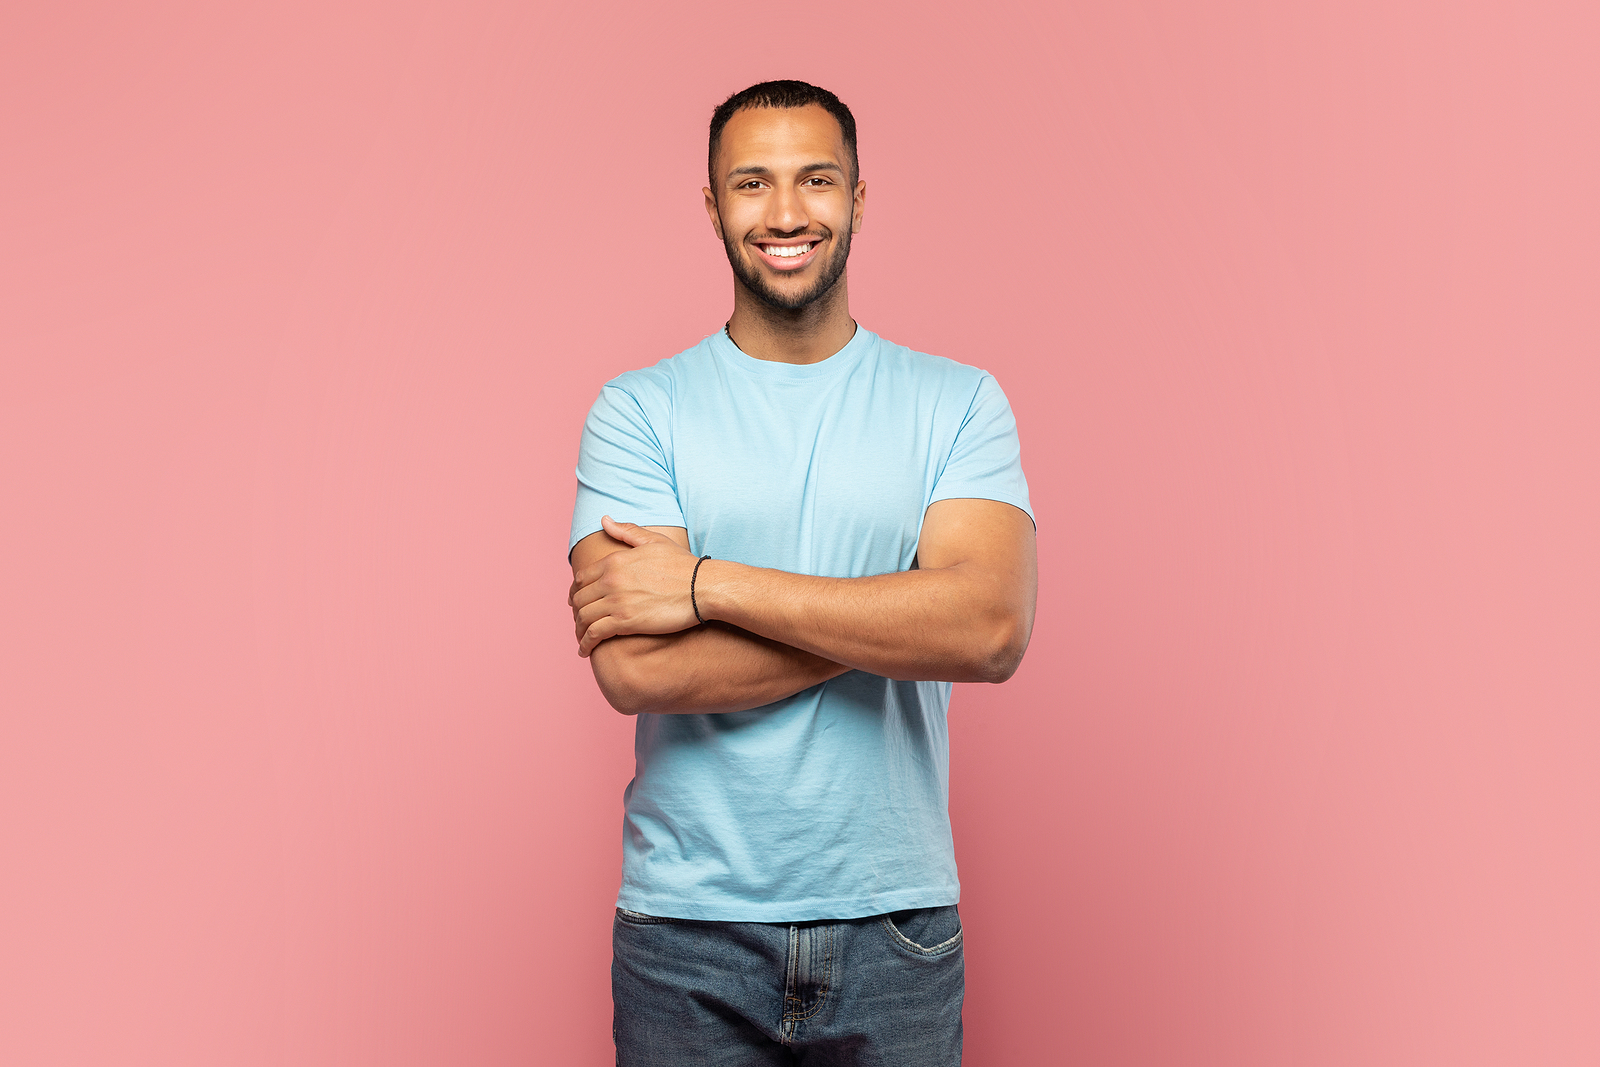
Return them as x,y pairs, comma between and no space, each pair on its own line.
942,948
791,984
639,918
827,974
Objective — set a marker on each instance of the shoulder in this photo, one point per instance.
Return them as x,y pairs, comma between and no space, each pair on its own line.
936,372
654,387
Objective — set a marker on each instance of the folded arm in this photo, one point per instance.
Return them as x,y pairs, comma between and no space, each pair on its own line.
963,614
709,668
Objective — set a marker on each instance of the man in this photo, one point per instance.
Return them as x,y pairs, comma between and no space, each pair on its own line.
822,531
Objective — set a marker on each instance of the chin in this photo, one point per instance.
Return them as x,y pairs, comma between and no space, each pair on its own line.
802,294
792,301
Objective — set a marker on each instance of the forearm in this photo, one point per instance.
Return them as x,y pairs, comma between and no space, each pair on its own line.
962,614
956,623
711,668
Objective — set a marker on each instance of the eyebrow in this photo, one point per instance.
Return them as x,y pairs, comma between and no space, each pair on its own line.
757,169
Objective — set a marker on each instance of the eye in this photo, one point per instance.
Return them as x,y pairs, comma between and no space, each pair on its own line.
818,180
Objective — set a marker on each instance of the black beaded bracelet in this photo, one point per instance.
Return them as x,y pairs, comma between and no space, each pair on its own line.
692,579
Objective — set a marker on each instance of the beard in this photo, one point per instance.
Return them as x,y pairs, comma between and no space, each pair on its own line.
753,280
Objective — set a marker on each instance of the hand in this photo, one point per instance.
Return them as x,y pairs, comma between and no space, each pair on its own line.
642,589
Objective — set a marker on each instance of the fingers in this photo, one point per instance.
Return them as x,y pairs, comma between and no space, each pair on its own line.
604,628
586,618
630,533
629,584
587,594
582,620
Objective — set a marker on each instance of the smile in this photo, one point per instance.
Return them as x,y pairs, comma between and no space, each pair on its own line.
789,257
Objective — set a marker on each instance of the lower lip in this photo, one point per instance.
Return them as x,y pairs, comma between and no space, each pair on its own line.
791,262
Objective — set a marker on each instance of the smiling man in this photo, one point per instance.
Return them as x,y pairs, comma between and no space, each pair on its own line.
819,532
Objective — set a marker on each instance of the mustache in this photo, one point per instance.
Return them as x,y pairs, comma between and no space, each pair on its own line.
787,236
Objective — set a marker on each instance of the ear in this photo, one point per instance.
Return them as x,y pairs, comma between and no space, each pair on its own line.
711,209
860,207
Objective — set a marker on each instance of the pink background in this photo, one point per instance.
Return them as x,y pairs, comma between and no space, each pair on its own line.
301,308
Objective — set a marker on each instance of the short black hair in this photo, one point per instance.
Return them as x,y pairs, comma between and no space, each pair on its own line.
782,94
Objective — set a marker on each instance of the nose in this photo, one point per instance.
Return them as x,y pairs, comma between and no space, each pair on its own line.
786,212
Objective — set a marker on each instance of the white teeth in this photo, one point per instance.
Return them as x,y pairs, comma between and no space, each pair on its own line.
786,251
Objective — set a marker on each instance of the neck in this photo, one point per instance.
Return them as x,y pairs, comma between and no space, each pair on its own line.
808,335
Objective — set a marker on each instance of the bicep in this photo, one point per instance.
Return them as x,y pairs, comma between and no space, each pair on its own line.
599,545
609,660
986,537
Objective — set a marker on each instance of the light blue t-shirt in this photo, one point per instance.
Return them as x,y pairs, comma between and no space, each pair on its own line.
832,803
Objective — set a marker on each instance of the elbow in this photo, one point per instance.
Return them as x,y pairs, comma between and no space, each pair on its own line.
614,673
1001,654
629,678
622,701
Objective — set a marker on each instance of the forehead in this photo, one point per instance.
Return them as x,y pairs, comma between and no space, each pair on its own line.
772,136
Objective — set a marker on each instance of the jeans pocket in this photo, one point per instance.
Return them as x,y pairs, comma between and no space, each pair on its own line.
639,918
925,931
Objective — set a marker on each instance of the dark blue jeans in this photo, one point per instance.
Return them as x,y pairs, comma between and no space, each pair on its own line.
884,990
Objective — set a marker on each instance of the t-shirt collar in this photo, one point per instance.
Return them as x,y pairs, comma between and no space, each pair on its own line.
774,370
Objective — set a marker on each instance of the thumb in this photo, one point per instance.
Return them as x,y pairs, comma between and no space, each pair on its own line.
627,532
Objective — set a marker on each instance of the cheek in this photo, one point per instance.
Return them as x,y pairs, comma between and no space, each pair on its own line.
736,226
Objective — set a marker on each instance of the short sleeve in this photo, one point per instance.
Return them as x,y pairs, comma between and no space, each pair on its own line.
623,469
986,460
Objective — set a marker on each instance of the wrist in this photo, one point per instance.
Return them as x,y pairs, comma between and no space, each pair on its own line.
694,603
711,589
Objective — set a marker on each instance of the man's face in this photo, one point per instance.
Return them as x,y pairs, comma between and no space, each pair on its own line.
784,205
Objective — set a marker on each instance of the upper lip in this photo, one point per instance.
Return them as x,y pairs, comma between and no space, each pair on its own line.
784,242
